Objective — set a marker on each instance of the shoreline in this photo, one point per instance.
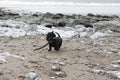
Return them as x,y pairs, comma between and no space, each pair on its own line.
80,13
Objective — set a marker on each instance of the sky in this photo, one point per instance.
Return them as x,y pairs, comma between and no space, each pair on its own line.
91,1
80,1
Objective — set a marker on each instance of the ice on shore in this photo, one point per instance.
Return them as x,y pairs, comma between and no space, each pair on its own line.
114,73
64,32
98,34
15,29
12,28
107,25
83,34
4,55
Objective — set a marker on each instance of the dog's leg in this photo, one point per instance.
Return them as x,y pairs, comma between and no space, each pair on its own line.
58,44
56,48
50,47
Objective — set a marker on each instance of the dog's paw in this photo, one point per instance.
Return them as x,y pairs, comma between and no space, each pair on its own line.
49,50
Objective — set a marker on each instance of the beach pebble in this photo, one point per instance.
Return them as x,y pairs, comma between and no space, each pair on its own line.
32,76
21,76
53,78
60,74
38,78
62,64
1,72
55,62
55,68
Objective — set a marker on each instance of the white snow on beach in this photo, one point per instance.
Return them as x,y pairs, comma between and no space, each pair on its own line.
4,55
114,73
15,29
98,34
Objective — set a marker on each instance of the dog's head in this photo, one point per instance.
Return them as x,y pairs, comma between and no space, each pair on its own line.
50,36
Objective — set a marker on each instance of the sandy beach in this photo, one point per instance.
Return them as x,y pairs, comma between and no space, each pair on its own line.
80,58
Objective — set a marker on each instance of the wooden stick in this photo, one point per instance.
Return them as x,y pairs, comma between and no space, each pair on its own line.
41,47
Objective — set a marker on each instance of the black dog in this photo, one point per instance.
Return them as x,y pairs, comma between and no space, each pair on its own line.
54,41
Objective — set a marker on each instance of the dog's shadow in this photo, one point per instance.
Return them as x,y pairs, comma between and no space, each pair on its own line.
61,51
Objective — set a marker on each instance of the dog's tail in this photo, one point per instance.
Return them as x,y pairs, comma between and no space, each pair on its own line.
58,34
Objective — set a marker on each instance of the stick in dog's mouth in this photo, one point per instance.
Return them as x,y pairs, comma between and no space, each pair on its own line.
41,47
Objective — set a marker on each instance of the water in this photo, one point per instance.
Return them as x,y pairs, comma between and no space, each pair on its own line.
64,6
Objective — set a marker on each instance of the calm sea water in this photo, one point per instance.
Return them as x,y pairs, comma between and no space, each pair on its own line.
64,6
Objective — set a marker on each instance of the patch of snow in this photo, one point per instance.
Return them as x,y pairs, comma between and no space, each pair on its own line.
97,35
81,28
98,71
116,73
25,29
118,61
65,33
83,34
16,29
4,55
106,52
12,28
109,32
15,33
13,24
3,58
107,25
118,53
114,65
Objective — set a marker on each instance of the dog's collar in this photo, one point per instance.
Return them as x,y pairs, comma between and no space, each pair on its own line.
56,34
50,41
54,37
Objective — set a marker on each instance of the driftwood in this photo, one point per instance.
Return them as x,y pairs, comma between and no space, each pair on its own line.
41,47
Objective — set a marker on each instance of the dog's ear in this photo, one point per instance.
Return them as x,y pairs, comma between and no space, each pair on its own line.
52,31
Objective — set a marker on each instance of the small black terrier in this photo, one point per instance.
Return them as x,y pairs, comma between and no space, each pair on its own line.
54,40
